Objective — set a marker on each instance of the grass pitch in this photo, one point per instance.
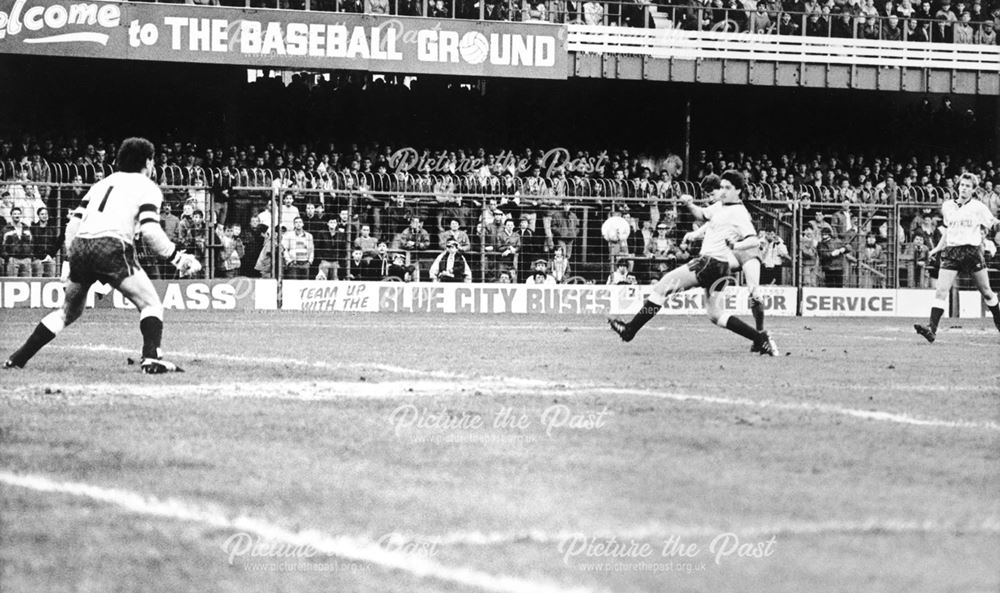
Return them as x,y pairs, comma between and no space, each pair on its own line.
412,453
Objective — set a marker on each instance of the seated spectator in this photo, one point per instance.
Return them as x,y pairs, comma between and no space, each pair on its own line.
540,278
398,269
621,274
450,265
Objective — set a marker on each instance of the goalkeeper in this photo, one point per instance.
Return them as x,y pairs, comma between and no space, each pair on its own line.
99,240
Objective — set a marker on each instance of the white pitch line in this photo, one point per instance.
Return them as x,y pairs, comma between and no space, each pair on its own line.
511,385
660,531
876,415
349,548
271,360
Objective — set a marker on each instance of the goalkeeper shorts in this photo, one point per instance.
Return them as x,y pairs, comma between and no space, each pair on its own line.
102,259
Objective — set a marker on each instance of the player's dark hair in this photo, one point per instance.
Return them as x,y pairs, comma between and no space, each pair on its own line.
735,177
133,154
710,183
15,209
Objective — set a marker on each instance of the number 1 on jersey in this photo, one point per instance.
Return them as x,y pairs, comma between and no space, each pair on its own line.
105,200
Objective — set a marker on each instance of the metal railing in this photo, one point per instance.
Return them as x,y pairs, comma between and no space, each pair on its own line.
786,209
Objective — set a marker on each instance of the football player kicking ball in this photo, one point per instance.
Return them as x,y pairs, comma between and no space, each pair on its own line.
100,244
747,259
728,228
961,248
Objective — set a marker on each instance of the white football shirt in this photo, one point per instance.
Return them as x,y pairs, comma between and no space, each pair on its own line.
117,205
965,222
725,221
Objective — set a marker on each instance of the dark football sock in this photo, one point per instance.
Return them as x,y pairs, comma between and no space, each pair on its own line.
152,333
757,308
738,326
38,338
936,313
647,312
995,310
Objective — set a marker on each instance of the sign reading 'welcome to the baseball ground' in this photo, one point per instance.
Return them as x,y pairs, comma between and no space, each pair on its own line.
279,38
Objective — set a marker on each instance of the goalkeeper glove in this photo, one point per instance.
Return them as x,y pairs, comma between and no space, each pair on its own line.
186,263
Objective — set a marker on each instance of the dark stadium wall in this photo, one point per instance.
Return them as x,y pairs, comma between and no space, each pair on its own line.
61,97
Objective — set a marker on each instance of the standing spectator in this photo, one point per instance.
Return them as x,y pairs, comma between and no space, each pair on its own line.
232,250
194,235
808,245
565,229
986,35
774,254
759,21
962,31
787,26
169,222
18,246
46,240
507,246
455,233
298,251
381,262
366,242
529,250
891,30
872,263
450,265
288,213
314,222
252,246
331,248
559,265
917,256
25,195
832,258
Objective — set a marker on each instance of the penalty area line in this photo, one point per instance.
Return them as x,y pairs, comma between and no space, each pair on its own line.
356,549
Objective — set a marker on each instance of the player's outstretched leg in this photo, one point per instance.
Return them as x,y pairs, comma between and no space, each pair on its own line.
982,278
676,280
138,289
51,325
718,315
944,282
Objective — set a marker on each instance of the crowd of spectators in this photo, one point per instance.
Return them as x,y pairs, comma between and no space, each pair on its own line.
938,21
533,215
